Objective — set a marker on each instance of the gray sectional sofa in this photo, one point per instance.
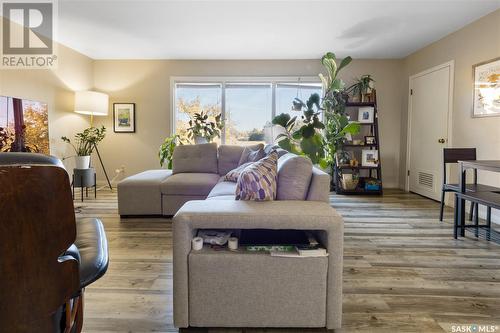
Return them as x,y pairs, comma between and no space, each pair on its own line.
197,175
214,288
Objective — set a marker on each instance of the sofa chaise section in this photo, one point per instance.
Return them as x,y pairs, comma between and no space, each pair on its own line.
140,194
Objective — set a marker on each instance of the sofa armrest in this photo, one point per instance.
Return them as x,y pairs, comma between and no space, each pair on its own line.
226,214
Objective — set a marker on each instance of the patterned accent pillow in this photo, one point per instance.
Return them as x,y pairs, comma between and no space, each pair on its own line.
232,176
258,181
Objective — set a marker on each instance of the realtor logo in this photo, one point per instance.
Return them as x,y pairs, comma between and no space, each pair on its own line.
28,34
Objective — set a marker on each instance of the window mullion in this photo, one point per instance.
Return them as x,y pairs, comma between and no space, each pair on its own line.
223,111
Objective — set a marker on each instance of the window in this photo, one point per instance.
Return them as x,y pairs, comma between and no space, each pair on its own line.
248,105
194,98
287,92
248,111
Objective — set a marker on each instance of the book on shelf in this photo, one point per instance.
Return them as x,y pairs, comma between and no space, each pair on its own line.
301,252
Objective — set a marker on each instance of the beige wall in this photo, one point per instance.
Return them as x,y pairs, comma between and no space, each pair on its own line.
477,42
56,88
147,83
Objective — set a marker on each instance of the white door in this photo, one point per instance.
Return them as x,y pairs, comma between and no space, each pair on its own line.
429,107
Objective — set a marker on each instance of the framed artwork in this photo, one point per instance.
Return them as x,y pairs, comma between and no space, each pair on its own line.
24,125
486,88
365,115
369,157
370,140
124,117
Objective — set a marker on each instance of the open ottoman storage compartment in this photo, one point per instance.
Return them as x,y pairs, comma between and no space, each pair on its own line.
241,288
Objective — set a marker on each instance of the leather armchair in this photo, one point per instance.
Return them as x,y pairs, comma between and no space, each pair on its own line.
47,257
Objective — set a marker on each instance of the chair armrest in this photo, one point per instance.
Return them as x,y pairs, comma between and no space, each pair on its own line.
92,245
227,214
72,251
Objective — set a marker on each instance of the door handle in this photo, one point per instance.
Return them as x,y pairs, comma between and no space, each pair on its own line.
441,140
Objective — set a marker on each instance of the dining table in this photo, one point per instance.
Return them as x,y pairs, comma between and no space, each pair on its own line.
492,198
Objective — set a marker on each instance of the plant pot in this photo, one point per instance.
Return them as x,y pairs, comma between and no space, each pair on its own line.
82,162
199,140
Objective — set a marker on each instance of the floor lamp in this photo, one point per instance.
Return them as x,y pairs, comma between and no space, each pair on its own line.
93,103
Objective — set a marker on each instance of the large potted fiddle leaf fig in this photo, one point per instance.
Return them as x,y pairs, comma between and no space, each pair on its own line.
303,138
312,137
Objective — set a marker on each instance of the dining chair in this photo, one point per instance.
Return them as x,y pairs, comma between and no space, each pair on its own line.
453,155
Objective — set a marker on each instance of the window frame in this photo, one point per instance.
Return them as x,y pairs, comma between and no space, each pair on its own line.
273,81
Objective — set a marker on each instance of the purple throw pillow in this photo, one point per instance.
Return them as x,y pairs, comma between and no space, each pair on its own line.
258,181
233,175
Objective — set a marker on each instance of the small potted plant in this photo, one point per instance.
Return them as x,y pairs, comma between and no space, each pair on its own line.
85,143
167,150
202,129
361,90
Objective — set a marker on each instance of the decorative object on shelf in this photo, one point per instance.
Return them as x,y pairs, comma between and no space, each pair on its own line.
370,140
166,151
362,90
369,157
353,162
93,103
202,129
85,143
372,184
357,142
124,117
343,157
24,126
486,88
349,181
365,115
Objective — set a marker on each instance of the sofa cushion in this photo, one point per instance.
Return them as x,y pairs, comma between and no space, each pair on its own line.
229,157
252,153
258,181
200,158
223,188
294,177
189,184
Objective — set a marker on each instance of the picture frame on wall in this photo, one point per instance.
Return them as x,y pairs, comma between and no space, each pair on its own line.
486,88
369,157
124,117
366,115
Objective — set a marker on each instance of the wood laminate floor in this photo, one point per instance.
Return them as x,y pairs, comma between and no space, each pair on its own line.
403,271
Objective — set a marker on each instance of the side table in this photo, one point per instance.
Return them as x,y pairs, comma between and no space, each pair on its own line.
84,178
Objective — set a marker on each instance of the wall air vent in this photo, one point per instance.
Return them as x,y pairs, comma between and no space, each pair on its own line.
426,180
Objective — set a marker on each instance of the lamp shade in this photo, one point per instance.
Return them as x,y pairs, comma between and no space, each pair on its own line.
91,102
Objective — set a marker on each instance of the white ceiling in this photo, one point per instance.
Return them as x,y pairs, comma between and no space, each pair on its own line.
261,29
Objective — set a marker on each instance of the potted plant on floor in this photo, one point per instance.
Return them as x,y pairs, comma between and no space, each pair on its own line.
166,151
85,143
202,129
